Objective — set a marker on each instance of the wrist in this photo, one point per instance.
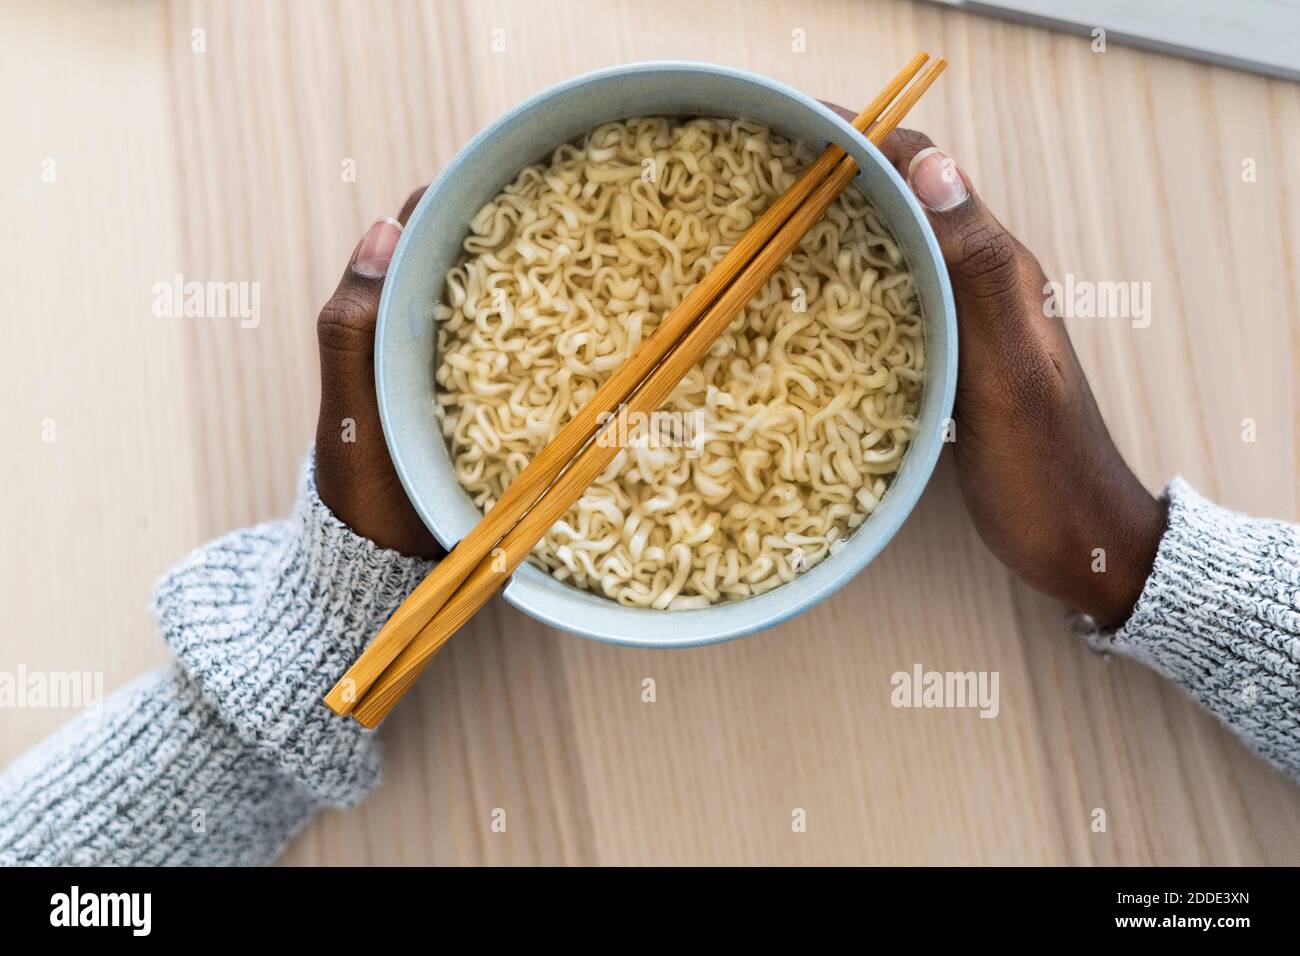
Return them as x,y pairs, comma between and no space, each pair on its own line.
356,481
1120,555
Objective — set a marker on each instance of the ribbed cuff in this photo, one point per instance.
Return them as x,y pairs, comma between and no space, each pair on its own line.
1220,614
265,620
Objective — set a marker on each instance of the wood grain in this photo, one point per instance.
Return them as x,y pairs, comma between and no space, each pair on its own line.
226,165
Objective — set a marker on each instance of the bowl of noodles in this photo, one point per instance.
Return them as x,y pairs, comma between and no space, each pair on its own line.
556,240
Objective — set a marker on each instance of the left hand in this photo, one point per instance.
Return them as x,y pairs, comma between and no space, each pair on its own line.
354,475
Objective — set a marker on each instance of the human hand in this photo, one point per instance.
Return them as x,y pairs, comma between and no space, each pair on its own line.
354,475
1041,477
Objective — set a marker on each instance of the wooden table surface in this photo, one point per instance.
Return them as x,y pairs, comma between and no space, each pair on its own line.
227,164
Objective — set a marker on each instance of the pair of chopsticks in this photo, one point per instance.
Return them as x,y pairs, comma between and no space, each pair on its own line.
484,560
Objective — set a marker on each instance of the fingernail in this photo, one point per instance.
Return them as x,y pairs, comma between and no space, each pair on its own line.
936,181
376,249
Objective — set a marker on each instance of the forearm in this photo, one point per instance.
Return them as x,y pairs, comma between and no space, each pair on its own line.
1220,615
262,622
151,778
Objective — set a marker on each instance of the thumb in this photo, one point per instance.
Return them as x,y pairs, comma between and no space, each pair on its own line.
983,257
354,474
345,330
346,325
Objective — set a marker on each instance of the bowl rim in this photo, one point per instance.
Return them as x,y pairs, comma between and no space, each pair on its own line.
728,620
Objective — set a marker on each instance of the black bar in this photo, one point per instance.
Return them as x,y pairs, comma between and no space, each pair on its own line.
333,908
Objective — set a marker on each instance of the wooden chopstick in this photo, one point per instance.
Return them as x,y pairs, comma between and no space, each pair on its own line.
432,593
489,575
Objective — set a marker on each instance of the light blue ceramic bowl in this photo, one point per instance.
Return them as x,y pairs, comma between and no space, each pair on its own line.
404,359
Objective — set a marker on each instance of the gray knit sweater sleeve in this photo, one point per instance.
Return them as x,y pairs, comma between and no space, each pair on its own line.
1220,615
221,757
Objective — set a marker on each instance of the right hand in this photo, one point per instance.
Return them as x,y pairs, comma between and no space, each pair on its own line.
1041,477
